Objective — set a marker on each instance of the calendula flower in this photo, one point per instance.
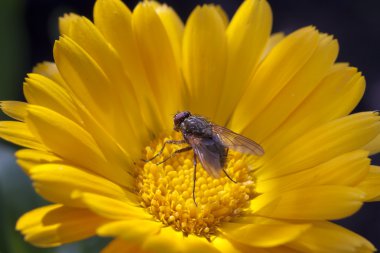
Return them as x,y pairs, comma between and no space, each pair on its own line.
107,103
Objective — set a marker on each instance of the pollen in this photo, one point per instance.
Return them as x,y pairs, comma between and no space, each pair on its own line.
166,190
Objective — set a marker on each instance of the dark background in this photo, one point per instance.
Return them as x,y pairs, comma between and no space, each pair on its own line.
28,29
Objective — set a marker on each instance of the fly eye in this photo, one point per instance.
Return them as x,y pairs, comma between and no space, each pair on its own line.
176,122
179,117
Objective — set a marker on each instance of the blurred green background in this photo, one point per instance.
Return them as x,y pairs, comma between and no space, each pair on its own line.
28,29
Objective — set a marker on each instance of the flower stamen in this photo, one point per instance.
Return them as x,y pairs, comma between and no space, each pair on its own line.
166,190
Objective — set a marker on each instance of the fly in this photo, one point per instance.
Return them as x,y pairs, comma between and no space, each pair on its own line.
210,144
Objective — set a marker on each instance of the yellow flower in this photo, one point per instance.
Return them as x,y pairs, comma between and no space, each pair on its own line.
108,100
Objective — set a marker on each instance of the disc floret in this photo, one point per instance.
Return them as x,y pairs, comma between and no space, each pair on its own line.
166,190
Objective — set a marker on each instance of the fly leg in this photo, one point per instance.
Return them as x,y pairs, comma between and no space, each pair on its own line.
225,172
163,146
174,153
194,178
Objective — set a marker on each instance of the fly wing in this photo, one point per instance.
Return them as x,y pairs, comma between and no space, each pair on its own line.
208,156
237,142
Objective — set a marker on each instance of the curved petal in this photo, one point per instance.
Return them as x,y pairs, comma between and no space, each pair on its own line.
85,34
373,146
158,59
286,59
55,225
274,39
295,91
174,28
204,59
65,23
85,78
331,238
171,241
57,183
336,96
98,116
348,169
114,20
133,231
371,184
93,43
117,157
321,144
92,88
263,235
28,158
111,208
119,245
222,13
311,203
72,142
247,35
14,109
225,245
50,70
20,134
42,91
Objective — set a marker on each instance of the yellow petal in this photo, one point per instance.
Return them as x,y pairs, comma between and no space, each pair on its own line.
247,35
336,96
114,20
117,157
274,39
89,38
321,144
93,43
92,89
223,15
49,70
26,166
262,235
286,59
371,184
65,23
295,91
158,59
120,245
14,109
171,241
28,158
57,182
111,208
347,169
174,28
331,238
204,59
316,203
71,53
373,146
224,245
40,90
86,79
72,142
19,134
133,231
55,225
